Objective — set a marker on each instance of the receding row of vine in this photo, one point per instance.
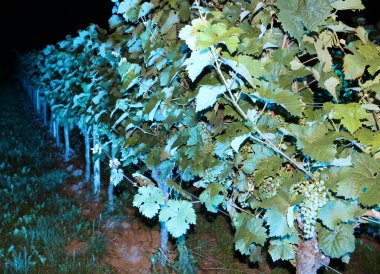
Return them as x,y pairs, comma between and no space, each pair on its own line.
226,97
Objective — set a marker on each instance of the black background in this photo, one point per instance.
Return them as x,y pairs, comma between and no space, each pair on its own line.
33,24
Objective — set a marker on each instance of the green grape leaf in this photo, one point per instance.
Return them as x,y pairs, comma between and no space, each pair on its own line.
211,196
350,115
189,33
315,140
117,175
207,96
337,243
149,199
248,230
179,189
213,34
246,66
282,201
281,250
324,55
197,62
354,66
170,21
335,212
287,99
253,159
347,4
362,180
331,85
277,221
364,55
368,137
145,8
177,216
296,15
128,9
237,142
125,6
98,98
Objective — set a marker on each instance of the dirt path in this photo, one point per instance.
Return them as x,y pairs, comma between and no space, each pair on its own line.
27,151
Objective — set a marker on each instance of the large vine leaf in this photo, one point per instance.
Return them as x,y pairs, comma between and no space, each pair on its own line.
290,101
361,181
211,196
213,34
315,140
350,115
149,199
296,15
347,4
335,212
248,230
197,62
283,248
207,96
337,243
277,221
368,137
177,216
364,55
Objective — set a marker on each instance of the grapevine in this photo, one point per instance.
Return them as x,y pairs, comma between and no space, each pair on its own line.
224,97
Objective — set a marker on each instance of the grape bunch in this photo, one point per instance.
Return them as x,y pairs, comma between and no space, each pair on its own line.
315,198
268,188
206,138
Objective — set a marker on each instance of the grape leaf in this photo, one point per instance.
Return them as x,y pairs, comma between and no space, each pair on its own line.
177,216
364,55
368,137
277,221
282,201
347,4
255,254
296,15
117,175
207,96
189,33
335,212
197,62
350,115
315,140
362,180
211,196
145,8
248,230
283,249
149,199
338,243
237,141
213,34
170,21
289,100
253,159
126,5
331,85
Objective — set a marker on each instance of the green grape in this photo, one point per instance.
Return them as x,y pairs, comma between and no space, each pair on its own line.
206,139
268,188
315,198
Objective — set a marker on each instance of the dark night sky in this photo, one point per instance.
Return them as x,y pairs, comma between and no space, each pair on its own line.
33,24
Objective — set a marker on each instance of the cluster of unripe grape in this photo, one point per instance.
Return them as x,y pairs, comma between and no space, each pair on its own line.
269,187
315,198
206,137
